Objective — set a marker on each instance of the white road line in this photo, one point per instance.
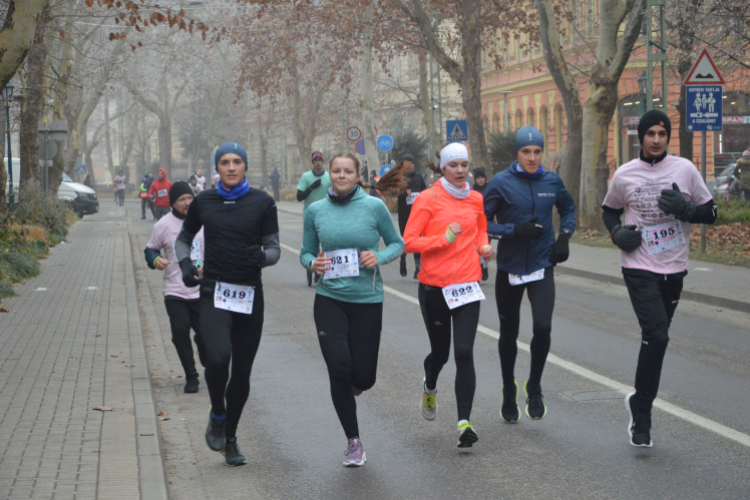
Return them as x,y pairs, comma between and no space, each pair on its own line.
673,410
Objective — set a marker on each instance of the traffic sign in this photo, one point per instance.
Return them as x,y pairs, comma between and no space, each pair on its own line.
456,130
361,147
49,151
703,108
384,142
353,134
704,72
81,170
385,169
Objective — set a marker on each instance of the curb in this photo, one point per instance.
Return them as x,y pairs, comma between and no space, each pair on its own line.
735,305
152,474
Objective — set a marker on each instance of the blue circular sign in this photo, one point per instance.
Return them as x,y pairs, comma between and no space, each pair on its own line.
385,169
361,147
384,142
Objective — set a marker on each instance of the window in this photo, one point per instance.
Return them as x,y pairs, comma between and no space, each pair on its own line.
519,119
531,117
496,123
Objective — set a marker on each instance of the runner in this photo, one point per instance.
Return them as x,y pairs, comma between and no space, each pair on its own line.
242,237
159,190
146,182
348,307
195,187
480,182
181,302
518,203
405,201
120,186
313,186
448,227
662,195
200,179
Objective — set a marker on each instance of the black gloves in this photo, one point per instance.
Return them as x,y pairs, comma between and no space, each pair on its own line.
255,255
672,202
529,230
315,185
190,274
628,238
561,250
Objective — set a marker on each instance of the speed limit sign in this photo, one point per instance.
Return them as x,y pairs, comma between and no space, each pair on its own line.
354,134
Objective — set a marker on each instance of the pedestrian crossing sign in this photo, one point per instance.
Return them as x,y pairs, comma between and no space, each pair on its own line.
456,130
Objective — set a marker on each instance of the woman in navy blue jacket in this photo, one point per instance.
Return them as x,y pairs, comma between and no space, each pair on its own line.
518,203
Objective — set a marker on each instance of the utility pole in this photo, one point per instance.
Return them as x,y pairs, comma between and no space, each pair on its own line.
659,56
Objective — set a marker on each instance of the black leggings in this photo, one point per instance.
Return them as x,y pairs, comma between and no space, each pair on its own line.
184,315
654,298
437,318
349,336
542,297
230,336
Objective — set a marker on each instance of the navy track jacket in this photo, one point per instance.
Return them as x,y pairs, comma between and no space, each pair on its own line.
512,198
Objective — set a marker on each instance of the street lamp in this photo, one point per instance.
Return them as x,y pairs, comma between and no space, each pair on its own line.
507,115
7,94
643,85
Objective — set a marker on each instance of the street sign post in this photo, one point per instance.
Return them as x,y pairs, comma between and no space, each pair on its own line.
456,130
703,107
384,143
361,147
354,134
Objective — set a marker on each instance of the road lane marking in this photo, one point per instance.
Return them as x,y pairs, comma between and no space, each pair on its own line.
673,410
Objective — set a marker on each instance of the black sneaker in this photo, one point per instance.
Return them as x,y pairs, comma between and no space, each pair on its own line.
191,387
509,411
535,408
232,455
485,274
416,272
639,427
143,217
402,269
215,438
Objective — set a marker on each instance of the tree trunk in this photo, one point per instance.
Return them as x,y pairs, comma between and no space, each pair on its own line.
367,103
108,139
3,171
31,109
164,136
426,106
22,19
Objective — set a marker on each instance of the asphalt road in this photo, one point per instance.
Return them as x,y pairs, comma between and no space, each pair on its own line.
294,442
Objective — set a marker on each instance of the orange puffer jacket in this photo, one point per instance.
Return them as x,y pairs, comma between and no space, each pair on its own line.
445,263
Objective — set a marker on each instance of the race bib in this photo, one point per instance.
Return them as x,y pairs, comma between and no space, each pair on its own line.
344,264
410,198
662,237
161,192
235,298
462,294
517,279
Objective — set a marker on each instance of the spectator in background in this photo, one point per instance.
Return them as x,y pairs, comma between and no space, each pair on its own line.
742,172
480,180
200,179
120,181
87,181
275,178
195,186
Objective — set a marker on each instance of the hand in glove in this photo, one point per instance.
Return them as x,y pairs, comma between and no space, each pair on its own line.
315,185
628,238
561,250
255,255
190,275
672,202
529,230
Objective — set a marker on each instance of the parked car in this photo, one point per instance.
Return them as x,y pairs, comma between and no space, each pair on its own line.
83,198
724,182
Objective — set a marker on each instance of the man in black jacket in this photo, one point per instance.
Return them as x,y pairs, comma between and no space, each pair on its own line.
405,200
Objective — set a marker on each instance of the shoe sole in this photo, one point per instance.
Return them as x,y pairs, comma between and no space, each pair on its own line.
526,410
205,434
356,464
519,413
631,422
236,464
467,439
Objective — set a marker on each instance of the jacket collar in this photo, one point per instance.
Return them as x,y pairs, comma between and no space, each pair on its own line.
653,161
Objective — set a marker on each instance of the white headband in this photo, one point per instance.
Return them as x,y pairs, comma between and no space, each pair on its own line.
453,151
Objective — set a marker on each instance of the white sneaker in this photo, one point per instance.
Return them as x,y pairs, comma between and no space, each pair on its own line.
428,406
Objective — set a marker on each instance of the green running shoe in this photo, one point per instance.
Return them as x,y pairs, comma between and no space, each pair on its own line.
428,406
232,455
466,435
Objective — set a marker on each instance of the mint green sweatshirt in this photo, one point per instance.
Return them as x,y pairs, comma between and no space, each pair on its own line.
358,224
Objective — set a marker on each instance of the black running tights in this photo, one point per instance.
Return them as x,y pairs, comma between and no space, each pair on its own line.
437,318
183,315
349,336
542,297
230,337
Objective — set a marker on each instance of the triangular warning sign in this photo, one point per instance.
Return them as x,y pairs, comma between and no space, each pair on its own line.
704,72
457,134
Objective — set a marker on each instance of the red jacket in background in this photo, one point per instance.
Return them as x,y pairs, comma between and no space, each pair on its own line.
161,189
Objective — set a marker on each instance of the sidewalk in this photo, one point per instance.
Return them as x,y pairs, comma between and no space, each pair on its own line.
714,284
72,342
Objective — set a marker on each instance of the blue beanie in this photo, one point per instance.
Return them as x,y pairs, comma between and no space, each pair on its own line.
528,136
230,147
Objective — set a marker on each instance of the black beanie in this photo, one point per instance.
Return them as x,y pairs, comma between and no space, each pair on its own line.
651,118
408,157
479,172
178,189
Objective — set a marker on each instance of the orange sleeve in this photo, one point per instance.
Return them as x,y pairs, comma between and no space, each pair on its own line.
419,218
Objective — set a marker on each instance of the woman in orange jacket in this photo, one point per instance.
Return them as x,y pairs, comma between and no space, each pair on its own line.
448,227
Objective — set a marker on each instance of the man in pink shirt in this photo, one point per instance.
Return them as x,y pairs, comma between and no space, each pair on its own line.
661,196
182,303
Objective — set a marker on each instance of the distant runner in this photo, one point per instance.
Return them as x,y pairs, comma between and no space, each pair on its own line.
313,186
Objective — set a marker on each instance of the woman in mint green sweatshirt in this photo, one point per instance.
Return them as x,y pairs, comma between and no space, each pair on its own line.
348,311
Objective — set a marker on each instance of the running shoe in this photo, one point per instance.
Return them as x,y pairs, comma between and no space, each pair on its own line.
402,269
191,387
215,438
355,454
509,411
466,435
416,272
535,408
428,406
485,274
232,455
639,427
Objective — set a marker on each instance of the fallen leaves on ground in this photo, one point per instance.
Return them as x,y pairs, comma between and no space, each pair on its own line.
3,310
